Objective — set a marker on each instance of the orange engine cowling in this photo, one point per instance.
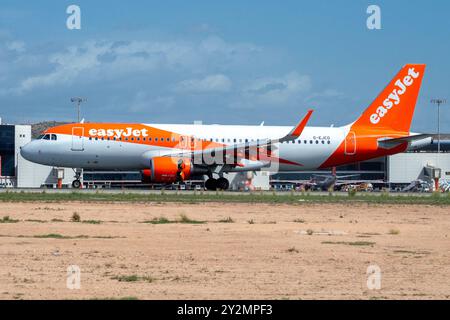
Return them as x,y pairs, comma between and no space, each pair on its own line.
170,169
146,175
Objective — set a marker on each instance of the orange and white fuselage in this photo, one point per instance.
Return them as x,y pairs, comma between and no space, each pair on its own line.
382,129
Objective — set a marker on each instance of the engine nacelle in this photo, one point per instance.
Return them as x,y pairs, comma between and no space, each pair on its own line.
146,175
169,169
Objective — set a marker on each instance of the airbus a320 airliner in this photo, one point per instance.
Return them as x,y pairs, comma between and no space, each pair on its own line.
166,153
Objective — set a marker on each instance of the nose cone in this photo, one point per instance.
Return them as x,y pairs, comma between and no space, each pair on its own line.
29,151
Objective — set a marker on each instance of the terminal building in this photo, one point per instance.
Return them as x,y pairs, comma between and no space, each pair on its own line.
393,171
15,171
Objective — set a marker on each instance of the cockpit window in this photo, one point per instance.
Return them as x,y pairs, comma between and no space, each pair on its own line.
48,137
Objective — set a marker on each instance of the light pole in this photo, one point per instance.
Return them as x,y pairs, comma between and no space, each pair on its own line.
439,102
437,170
78,101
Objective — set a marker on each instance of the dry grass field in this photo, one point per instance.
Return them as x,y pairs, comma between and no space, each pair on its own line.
159,250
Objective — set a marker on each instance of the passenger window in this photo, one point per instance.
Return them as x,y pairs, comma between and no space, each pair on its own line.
156,139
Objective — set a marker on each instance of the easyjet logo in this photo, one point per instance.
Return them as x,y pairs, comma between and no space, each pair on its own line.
394,98
118,133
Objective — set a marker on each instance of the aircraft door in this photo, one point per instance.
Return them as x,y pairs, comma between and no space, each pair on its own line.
77,139
350,144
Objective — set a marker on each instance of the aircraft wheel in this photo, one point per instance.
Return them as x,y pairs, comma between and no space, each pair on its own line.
76,184
211,184
223,184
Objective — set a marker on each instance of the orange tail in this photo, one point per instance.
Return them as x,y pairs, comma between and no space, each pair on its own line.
394,107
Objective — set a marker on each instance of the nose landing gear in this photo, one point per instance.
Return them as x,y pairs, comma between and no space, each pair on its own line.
76,184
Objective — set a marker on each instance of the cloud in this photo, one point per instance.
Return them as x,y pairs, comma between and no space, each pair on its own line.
143,102
165,81
202,28
208,84
278,90
95,61
18,46
325,94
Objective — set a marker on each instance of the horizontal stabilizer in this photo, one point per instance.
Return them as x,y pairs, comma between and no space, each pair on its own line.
392,142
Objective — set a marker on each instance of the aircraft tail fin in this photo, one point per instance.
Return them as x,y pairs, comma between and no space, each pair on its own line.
394,106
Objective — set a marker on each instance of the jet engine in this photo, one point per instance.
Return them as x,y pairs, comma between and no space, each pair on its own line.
168,170
146,176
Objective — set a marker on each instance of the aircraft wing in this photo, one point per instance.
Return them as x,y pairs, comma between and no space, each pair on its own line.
246,150
337,176
348,176
345,182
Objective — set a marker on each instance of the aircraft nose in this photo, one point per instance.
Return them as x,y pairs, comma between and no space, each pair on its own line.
28,151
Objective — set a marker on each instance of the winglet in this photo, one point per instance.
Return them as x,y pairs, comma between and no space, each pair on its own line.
297,131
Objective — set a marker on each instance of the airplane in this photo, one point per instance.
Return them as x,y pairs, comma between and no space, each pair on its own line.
324,182
327,182
168,153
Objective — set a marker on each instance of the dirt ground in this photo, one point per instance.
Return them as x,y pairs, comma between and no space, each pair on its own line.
305,251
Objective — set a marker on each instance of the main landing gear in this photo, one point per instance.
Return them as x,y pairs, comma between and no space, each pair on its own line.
217,184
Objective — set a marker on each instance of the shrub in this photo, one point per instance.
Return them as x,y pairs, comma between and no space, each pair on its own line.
76,217
394,231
